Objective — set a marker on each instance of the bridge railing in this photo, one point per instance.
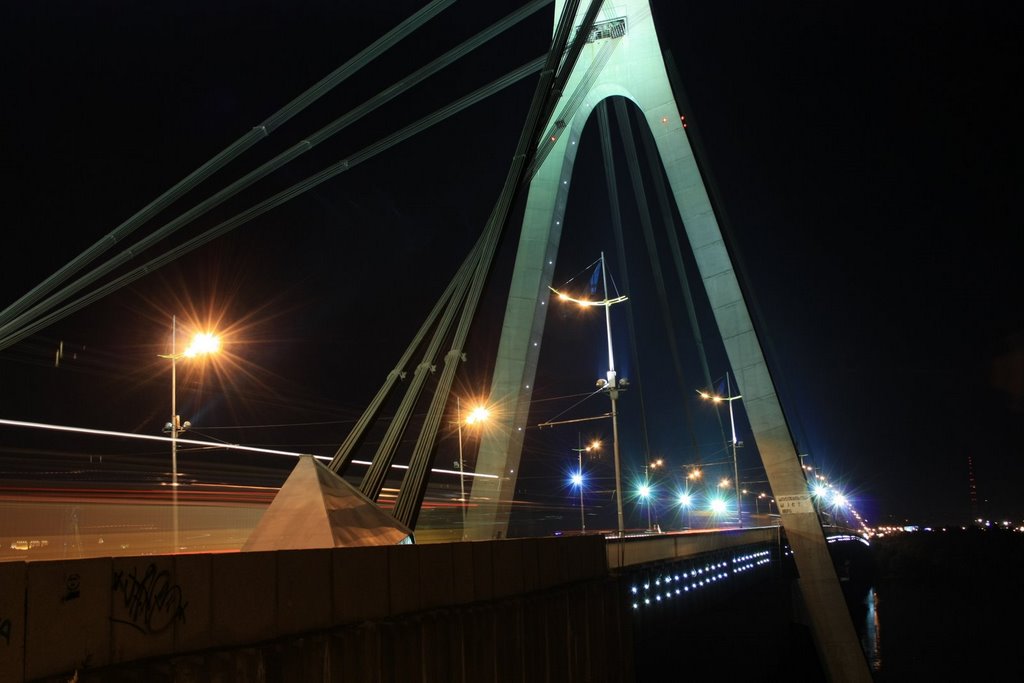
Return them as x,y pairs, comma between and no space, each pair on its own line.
631,551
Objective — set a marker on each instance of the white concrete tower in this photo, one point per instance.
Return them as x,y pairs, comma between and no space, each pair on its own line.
623,58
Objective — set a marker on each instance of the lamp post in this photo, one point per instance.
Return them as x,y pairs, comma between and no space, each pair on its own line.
732,423
202,343
611,384
757,501
686,501
477,415
577,478
462,467
650,490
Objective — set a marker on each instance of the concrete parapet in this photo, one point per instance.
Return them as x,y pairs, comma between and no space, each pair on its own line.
146,604
13,577
67,618
463,610
531,569
243,598
360,582
551,562
193,574
437,583
463,590
509,567
483,570
303,591
404,578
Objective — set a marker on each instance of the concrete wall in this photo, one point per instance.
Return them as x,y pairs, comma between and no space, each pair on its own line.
647,549
443,607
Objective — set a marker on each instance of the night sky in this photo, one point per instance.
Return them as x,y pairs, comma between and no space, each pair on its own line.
866,160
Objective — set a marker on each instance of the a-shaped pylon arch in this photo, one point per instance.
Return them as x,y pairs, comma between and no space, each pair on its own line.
623,57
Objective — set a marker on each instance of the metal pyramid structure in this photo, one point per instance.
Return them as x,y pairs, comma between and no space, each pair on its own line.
318,509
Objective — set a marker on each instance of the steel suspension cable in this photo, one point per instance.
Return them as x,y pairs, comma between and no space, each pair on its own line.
380,465
276,200
546,98
345,453
572,104
258,133
277,162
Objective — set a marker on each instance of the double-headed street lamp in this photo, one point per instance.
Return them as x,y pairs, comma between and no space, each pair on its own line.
611,384
732,423
202,343
647,491
577,478
686,502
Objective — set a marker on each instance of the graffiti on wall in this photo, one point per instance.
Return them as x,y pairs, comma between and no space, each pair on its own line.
152,601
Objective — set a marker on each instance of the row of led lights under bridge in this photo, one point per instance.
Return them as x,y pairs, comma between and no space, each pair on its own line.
670,585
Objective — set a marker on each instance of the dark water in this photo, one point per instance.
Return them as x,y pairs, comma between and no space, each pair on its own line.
943,606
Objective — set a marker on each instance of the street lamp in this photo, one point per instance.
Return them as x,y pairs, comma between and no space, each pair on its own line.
577,479
202,343
610,385
732,423
652,465
476,416
645,491
686,502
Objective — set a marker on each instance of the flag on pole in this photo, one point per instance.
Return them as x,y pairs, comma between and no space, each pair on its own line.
595,279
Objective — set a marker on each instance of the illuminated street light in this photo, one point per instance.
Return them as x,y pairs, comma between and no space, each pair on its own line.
686,502
729,398
660,462
611,385
202,344
476,416
577,479
717,505
645,491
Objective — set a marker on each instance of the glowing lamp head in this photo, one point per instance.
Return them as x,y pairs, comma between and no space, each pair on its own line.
577,479
644,491
478,414
202,343
717,506
685,500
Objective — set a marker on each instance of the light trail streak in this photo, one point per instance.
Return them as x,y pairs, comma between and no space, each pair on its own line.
208,444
